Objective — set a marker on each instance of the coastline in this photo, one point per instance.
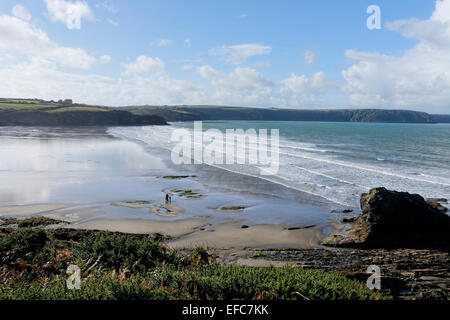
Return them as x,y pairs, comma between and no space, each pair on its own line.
408,274
104,205
229,214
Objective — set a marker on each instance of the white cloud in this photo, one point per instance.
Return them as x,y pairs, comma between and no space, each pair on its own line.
319,82
207,72
22,13
164,42
243,15
107,6
105,59
44,80
187,43
242,86
238,54
112,22
418,79
22,38
301,90
70,13
442,12
310,57
145,82
144,64
246,86
32,64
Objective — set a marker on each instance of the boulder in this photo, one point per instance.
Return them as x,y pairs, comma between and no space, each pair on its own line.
392,219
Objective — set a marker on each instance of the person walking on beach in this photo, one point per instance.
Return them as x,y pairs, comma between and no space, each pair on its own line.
167,198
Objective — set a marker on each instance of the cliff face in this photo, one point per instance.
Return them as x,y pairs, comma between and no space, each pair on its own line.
397,116
441,118
35,114
77,118
187,113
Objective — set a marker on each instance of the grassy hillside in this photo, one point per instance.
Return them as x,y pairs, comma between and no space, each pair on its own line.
189,113
21,112
45,106
29,112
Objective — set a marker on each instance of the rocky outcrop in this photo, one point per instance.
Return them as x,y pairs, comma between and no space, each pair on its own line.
405,273
393,219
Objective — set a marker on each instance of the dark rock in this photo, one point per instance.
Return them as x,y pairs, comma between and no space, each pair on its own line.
393,219
37,222
405,273
341,211
348,220
301,227
157,237
244,226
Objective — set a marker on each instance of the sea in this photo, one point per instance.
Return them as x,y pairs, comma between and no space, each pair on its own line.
335,161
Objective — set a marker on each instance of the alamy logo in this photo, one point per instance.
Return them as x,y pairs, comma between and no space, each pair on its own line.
374,20
73,17
374,281
237,146
74,280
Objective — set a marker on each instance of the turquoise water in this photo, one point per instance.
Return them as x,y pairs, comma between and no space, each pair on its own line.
339,161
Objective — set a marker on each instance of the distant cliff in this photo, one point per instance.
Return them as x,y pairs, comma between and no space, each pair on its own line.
37,112
77,118
189,113
441,118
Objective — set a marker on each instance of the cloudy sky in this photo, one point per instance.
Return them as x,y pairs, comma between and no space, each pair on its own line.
299,54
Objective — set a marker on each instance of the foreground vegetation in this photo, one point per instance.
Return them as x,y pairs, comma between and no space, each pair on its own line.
33,265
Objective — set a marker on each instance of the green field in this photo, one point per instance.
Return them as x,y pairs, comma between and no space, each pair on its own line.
36,105
24,106
77,108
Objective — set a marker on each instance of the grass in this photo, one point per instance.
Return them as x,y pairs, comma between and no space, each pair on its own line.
24,106
122,267
65,109
233,208
138,202
17,104
187,193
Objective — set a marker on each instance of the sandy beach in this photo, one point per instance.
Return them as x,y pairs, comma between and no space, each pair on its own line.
183,233
232,235
171,229
117,185
30,210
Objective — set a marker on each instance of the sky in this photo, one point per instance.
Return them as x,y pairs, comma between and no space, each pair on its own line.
257,53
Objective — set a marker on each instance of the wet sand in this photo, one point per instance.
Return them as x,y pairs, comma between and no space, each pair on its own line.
185,233
94,181
29,210
167,228
232,235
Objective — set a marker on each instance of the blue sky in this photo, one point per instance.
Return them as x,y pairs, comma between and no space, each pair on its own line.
301,54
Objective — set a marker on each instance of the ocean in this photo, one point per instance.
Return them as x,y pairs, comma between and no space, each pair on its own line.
337,161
